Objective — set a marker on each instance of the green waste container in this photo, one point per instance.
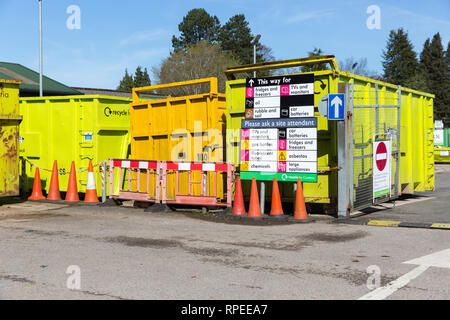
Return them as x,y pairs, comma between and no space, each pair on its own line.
72,128
9,137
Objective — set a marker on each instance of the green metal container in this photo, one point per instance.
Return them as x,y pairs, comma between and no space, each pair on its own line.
73,128
413,117
447,137
9,137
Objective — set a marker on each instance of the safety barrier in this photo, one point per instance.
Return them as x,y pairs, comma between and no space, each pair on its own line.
145,180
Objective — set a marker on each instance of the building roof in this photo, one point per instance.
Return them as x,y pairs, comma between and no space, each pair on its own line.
30,81
107,92
117,93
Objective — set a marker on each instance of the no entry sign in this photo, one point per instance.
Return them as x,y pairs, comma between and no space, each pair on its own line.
381,156
381,168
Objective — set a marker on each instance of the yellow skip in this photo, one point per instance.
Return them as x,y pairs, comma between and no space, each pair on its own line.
383,223
440,225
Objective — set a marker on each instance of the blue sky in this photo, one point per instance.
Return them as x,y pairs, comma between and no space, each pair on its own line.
115,35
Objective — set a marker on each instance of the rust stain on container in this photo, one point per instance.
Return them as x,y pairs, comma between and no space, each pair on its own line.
9,137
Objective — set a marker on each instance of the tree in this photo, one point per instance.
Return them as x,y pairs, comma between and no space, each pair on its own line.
198,25
447,56
399,59
434,63
200,60
141,79
418,81
126,84
314,67
356,66
235,37
264,53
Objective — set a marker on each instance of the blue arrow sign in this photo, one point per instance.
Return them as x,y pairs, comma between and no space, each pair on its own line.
336,106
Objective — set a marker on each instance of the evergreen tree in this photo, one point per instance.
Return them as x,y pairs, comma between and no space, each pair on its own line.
434,62
141,79
198,25
127,83
235,37
399,59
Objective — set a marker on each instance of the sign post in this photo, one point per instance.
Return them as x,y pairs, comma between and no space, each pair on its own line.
334,107
279,132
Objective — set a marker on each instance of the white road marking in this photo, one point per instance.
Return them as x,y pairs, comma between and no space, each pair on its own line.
439,259
383,292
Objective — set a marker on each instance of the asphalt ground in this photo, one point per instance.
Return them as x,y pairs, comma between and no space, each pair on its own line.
127,253
421,210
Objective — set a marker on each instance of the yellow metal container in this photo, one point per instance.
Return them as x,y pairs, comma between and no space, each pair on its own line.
416,145
442,155
9,137
188,129
73,128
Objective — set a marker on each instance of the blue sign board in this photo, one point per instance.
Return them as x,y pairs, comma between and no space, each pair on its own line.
336,106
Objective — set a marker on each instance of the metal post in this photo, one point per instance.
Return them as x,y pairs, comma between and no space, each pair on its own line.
23,191
254,58
103,167
295,193
349,129
263,195
397,173
40,49
377,110
342,162
111,178
254,52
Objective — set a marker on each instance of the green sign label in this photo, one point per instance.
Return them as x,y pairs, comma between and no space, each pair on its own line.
281,176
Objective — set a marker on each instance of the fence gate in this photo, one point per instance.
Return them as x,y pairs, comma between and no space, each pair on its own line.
376,118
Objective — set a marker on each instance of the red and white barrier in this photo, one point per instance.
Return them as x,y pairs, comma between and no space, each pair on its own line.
159,170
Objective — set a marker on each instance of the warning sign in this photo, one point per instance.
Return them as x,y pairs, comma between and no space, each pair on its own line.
381,168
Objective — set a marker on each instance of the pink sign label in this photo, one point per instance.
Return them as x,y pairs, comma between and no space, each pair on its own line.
284,90
282,144
282,166
245,134
250,92
245,155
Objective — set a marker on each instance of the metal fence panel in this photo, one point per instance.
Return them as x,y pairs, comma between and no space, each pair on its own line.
376,116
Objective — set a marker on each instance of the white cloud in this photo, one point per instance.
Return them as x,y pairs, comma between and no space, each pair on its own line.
303,16
421,17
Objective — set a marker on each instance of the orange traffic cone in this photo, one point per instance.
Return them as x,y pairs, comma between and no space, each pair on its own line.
53,192
238,206
277,209
91,191
72,192
254,210
300,207
36,194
